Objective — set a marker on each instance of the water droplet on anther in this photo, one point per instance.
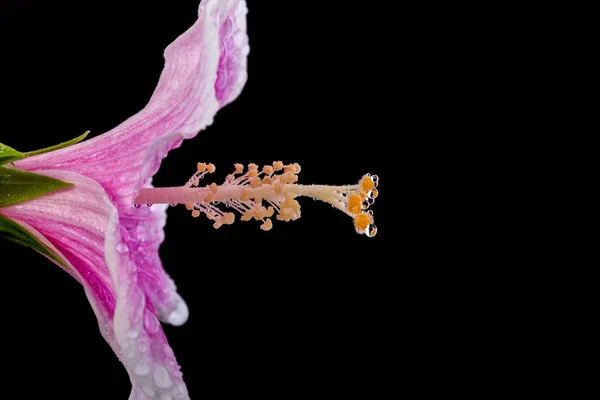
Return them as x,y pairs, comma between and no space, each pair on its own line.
371,230
375,179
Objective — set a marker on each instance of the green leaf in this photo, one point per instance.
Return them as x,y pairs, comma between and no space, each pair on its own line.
8,154
21,186
16,233
57,147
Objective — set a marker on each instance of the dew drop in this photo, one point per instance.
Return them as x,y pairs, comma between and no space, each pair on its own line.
141,233
148,205
141,368
136,206
162,378
227,28
150,322
375,179
148,391
179,315
122,248
371,230
132,334
173,204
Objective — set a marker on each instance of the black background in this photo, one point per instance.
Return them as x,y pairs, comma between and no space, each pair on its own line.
305,308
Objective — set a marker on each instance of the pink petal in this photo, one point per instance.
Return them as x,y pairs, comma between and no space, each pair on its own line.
183,103
205,68
82,225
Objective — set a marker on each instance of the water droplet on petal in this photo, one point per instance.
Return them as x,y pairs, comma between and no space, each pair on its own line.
148,391
132,334
150,322
178,316
141,233
122,248
141,368
162,379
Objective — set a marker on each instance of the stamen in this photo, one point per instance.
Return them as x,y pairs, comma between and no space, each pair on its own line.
274,185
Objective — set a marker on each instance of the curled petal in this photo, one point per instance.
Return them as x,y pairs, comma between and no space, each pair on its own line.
205,68
82,226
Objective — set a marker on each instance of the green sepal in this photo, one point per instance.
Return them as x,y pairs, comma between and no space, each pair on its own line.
58,146
8,154
16,233
22,186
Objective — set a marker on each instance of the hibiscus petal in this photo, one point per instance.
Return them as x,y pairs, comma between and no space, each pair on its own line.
205,69
82,225
183,103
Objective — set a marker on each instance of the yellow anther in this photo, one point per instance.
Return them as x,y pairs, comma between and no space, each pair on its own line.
228,218
260,213
295,206
362,222
267,225
247,215
287,177
278,188
245,195
244,192
354,204
255,183
367,184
